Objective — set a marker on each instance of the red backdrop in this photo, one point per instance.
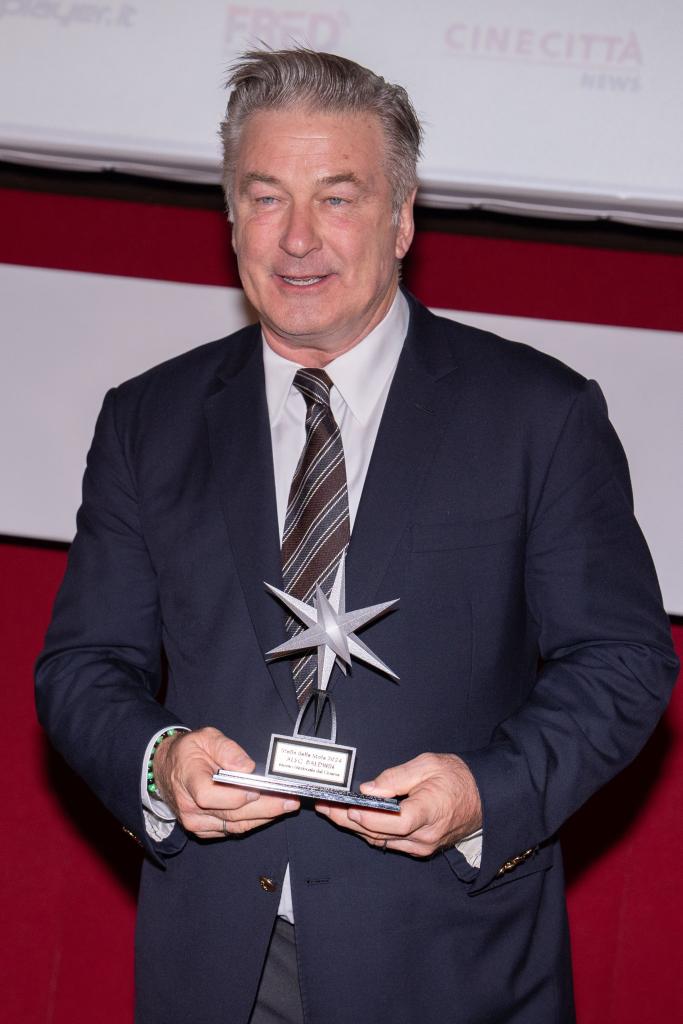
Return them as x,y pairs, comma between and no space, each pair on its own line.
69,874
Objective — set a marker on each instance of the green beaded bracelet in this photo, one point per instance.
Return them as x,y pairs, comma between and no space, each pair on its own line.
151,784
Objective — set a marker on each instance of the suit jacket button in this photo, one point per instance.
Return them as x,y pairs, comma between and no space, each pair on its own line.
267,884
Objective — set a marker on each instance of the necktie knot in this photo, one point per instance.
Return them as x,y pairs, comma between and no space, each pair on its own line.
314,385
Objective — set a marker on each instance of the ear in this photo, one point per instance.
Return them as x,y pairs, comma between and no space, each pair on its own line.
405,228
235,233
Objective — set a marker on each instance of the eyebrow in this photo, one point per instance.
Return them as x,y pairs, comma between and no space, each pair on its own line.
252,177
255,176
340,179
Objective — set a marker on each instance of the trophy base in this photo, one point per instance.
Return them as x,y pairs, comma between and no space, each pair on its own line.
307,790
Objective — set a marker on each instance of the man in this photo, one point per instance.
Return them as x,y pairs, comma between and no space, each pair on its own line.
480,482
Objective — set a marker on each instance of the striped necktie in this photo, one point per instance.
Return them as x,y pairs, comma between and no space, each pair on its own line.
317,526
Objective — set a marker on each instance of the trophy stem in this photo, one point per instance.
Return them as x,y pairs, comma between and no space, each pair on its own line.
319,698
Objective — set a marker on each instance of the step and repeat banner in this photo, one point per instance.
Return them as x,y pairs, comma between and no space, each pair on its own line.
538,106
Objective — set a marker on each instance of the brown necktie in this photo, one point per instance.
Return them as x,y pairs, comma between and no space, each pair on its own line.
317,527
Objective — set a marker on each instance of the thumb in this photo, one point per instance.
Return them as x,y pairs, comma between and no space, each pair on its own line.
395,781
229,754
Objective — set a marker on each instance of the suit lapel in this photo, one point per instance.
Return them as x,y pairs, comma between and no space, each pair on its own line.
241,453
412,425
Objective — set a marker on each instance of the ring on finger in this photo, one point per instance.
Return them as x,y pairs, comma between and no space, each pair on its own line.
224,828
384,846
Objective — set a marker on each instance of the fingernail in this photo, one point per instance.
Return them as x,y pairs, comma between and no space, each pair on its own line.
368,787
252,794
290,805
354,815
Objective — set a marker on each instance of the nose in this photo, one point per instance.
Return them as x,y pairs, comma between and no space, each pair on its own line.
299,235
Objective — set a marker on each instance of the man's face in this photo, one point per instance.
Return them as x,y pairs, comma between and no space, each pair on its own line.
316,243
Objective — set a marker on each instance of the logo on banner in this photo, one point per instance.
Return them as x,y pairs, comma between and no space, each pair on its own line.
608,61
282,29
67,13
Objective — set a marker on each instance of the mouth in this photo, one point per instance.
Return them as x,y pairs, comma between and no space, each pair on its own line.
303,282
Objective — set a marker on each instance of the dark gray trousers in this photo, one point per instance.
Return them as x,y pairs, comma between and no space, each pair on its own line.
278,1000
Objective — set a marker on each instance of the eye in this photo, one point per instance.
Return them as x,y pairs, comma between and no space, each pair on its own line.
336,201
265,200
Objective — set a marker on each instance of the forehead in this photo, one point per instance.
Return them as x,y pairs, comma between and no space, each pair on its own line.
327,142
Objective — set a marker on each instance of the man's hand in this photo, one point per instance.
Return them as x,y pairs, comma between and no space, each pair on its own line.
183,768
442,806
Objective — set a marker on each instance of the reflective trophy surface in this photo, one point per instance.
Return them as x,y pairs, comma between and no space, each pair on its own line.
309,765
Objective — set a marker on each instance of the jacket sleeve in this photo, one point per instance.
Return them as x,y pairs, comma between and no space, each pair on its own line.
100,670
604,640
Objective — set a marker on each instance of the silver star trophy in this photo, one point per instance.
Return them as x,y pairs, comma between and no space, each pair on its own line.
310,766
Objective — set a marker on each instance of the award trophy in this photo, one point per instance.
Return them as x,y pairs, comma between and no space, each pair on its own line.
310,766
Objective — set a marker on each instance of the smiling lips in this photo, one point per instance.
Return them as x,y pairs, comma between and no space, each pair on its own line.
303,282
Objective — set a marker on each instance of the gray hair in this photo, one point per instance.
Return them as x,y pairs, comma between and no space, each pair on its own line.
280,79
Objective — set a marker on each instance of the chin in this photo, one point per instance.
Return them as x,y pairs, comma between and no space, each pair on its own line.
302,328
299,337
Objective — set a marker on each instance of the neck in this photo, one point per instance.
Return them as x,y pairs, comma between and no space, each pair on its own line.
306,355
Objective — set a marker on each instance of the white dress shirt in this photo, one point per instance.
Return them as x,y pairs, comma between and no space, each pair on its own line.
361,378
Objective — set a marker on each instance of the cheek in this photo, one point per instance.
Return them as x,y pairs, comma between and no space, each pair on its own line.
251,261
369,249
252,241
377,262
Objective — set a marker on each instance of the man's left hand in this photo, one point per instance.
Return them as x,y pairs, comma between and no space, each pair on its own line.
441,806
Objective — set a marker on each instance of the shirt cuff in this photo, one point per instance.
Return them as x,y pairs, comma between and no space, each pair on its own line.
470,848
159,818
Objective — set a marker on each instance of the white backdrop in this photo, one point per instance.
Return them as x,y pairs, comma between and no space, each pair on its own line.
545,106
105,329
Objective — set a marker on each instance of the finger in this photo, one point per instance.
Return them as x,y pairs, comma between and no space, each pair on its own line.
419,844
210,797
407,846
371,824
239,828
202,801
384,823
231,755
413,818
264,808
207,827
209,749
243,804
339,818
408,820
195,763
213,826
224,829
400,779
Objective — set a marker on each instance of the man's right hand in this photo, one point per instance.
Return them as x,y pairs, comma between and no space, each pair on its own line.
183,768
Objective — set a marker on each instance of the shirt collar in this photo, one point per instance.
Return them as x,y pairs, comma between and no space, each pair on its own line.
359,375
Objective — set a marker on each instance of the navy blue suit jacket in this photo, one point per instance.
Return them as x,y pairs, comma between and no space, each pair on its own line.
497,507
